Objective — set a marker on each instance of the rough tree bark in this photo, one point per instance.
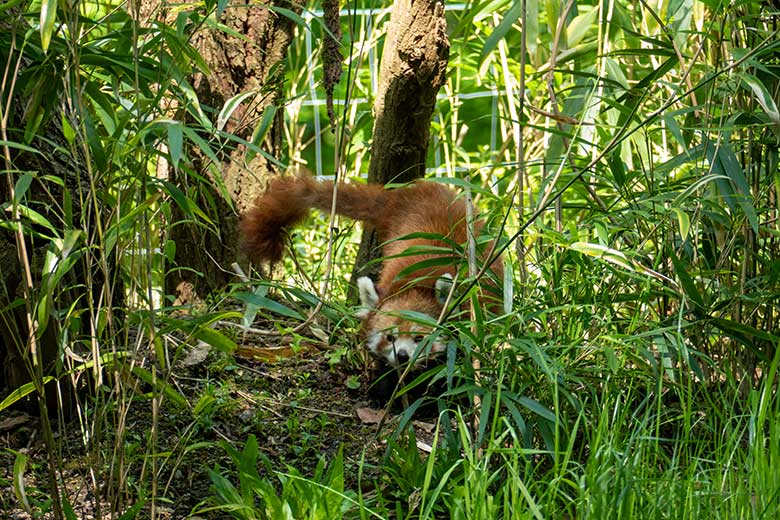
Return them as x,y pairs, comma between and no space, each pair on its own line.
235,66
413,69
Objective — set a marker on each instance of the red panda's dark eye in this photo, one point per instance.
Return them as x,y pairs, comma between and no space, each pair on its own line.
418,338
390,338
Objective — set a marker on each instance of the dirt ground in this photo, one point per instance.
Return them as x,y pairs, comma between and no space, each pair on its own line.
299,404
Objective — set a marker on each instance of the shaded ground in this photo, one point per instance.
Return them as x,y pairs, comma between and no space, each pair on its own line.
298,406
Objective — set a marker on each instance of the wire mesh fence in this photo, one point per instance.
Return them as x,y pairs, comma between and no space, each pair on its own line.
469,131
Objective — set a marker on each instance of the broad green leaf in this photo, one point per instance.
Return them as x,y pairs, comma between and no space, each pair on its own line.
261,130
20,465
537,408
612,256
579,27
250,313
422,266
764,99
186,204
617,168
160,385
724,163
745,333
263,302
30,215
291,15
67,509
22,185
175,142
67,130
48,18
509,287
216,339
204,404
20,146
21,392
684,221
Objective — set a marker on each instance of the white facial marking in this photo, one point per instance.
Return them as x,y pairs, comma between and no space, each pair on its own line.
372,342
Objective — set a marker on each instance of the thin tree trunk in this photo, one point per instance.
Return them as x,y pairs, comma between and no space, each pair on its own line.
413,69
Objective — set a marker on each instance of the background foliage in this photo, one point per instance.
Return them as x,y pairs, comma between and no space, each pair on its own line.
632,148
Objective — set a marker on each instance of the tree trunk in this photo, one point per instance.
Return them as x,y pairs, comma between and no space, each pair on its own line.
235,66
413,69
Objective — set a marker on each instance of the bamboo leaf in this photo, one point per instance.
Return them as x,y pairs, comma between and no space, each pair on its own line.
19,146
48,17
261,130
160,386
686,281
683,221
216,339
501,30
735,191
745,333
21,392
262,302
20,465
537,408
230,106
21,187
175,142
579,27
764,99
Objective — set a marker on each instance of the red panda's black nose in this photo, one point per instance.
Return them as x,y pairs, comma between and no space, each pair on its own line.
403,356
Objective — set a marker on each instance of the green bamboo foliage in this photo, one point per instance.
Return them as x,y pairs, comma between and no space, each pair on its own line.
631,151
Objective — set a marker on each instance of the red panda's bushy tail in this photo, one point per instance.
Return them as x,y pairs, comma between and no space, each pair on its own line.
287,201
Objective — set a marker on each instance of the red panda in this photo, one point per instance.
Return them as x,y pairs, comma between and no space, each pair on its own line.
425,209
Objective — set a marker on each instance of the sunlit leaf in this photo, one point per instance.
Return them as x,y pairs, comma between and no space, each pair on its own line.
20,489
764,99
230,106
48,18
510,17
683,221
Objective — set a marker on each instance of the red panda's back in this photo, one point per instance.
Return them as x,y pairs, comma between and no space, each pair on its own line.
426,207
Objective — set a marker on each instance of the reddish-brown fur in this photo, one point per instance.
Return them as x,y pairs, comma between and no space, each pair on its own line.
424,207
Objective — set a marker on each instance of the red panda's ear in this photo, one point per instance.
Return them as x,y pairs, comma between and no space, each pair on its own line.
368,296
443,288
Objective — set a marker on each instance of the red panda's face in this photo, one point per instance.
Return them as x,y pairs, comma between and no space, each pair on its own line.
392,336
398,341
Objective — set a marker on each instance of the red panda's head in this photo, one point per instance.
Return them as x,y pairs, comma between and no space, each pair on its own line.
392,335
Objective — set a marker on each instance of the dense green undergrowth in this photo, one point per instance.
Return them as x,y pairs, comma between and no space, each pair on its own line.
628,162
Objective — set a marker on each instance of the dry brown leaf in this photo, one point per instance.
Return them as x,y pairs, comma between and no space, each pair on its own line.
369,415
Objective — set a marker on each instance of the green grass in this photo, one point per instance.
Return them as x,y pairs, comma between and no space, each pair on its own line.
628,443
